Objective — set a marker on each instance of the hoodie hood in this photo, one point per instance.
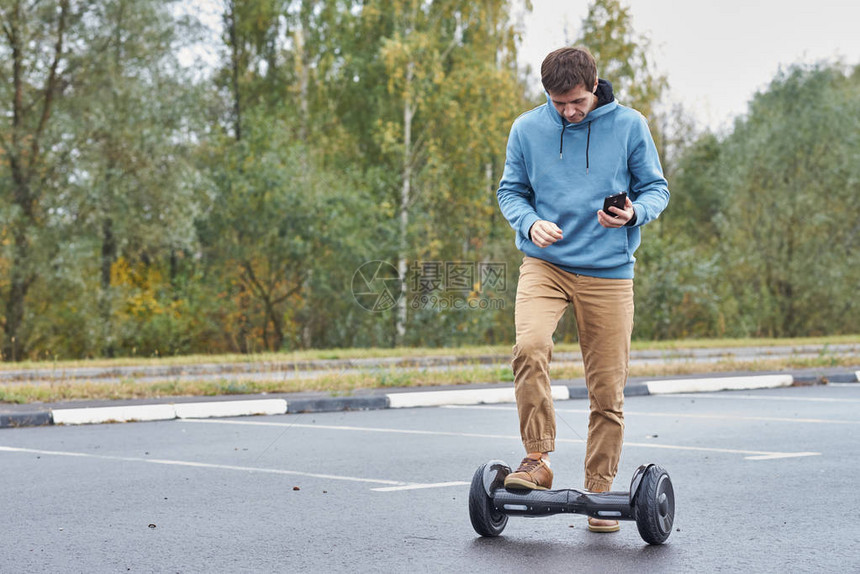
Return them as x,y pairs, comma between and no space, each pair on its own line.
606,103
605,96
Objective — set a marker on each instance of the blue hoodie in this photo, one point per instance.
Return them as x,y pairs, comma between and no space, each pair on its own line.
561,172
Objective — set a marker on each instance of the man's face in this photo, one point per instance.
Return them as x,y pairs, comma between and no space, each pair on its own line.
574,104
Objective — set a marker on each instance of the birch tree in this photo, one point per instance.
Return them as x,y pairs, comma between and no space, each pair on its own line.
622,55
429,53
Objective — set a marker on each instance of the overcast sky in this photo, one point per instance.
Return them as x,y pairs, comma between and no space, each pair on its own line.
716,53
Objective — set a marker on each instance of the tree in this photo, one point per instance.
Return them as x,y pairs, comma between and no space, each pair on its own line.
697,197
788,223
623,58
679,276
134,113
250,36
622,55
418,68
34,50
279,215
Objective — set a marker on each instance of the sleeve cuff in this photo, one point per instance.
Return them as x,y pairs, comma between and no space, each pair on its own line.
528,221
632,222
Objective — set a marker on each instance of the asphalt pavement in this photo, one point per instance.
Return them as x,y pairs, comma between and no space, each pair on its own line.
105,411
765,481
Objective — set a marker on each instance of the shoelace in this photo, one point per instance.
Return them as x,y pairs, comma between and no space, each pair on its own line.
529,464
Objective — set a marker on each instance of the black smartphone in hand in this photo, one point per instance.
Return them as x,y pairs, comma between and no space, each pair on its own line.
618,200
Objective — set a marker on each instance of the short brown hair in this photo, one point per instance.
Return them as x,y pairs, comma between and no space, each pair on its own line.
567,68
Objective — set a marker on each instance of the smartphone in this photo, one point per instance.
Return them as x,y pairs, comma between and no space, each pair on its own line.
618,200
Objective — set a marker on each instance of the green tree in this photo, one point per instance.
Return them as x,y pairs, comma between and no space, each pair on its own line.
282,221
437,87
680,291
697,196
787,225
622,55
134,116
680,282
33,52
623,58
124,196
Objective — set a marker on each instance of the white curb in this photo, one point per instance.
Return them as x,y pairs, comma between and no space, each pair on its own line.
97,415
166,412
718,384
464,397
231,408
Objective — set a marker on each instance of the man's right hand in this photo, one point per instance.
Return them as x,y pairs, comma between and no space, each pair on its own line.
544,233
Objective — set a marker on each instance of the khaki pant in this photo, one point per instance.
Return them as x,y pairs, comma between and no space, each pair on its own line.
604,318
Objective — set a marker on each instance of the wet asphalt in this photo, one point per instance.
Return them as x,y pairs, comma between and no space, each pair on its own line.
765,481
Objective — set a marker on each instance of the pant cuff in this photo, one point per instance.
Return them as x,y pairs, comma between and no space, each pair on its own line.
597,485
545,445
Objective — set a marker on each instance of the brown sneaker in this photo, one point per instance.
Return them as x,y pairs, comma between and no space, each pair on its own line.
533,474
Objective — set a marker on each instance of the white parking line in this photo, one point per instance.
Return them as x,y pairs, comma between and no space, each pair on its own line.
744,418
417,486
349,428
751,454
737,397
684,415
398,484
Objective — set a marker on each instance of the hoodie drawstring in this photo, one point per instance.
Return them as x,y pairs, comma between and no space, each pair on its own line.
587,145
561,142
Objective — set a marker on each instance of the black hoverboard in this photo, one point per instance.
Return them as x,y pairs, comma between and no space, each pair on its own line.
650,502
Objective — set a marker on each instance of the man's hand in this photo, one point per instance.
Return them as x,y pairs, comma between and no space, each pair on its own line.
622,216
544,233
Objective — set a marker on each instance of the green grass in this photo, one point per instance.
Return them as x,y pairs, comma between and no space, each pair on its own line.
344,384
410,352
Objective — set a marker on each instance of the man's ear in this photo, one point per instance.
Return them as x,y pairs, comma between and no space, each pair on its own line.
594,90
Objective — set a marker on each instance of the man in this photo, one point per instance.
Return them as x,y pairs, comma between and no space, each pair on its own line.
563,159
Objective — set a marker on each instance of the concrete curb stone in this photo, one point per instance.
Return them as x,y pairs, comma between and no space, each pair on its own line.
36,419
843,378
29,416
329,404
